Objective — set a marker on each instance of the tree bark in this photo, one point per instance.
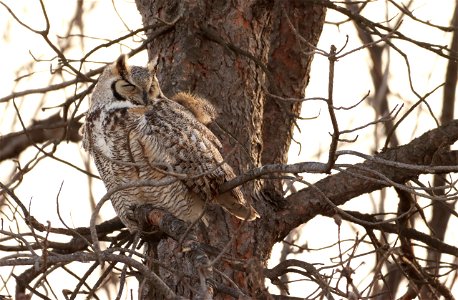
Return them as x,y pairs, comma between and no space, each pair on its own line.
234,54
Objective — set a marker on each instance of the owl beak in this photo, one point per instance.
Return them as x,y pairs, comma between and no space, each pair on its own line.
145,98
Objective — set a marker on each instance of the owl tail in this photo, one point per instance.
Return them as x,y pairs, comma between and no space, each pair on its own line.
237,205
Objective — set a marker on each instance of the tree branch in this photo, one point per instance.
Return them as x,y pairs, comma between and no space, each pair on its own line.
52,128
341,187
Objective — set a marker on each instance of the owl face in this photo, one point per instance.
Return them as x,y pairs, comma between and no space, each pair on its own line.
121,82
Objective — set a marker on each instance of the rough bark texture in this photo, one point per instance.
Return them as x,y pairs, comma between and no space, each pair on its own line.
232,53
289,75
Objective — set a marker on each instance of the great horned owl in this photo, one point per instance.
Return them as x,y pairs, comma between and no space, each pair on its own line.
132,129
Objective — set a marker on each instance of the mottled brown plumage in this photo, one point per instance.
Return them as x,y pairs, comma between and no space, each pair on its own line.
134,132
202,110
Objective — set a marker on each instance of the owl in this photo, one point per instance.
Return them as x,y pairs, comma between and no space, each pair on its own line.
133,132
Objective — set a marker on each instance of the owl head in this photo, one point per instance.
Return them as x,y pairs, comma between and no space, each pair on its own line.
121,82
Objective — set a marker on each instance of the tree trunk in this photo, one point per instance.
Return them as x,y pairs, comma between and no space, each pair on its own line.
234,53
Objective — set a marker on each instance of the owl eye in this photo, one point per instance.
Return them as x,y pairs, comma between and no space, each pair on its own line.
123,89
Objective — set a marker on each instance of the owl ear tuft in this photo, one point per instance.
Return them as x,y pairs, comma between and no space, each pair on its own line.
152,65
121,67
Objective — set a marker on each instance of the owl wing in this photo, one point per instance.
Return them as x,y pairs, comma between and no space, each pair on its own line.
171,135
